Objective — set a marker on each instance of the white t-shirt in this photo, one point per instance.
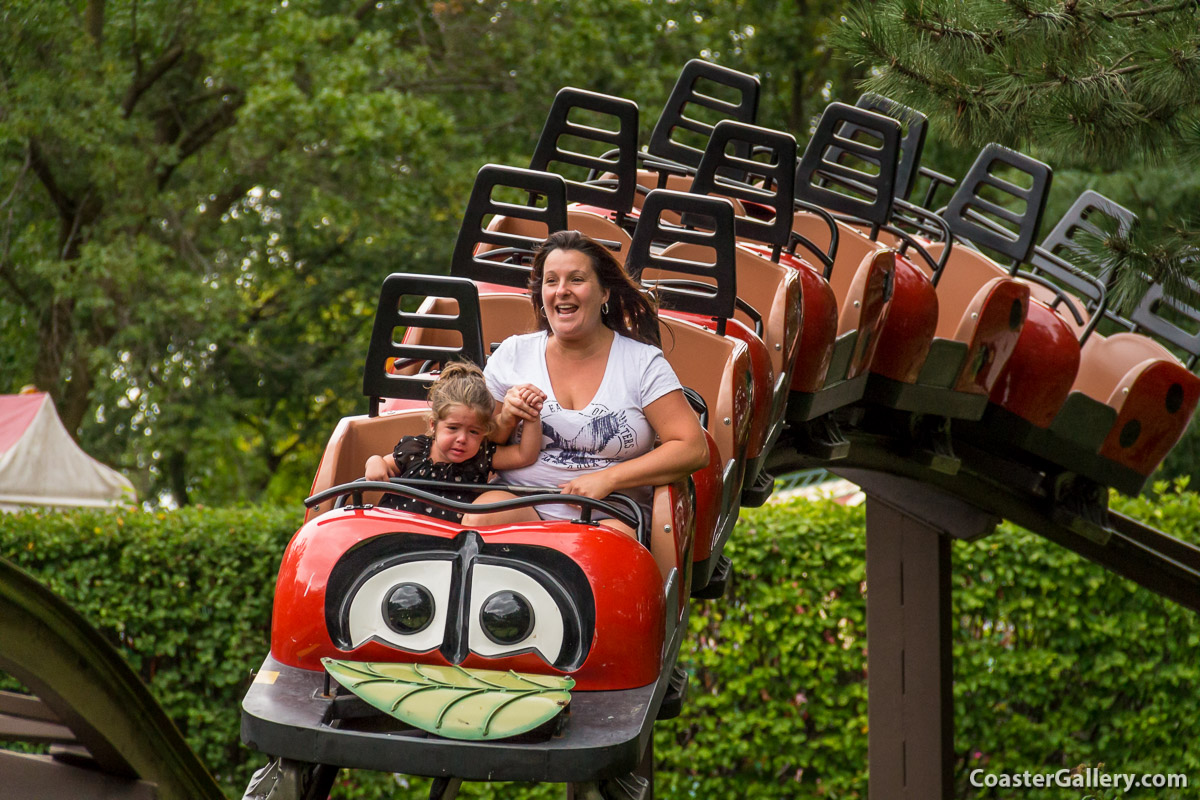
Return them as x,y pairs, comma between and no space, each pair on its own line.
611,428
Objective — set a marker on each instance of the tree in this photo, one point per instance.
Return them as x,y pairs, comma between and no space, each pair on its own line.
199,199
1110,88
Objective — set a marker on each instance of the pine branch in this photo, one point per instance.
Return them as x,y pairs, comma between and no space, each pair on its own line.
1154,10
1145,255
986,40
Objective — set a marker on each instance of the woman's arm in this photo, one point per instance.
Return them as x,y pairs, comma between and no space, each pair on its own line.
682,451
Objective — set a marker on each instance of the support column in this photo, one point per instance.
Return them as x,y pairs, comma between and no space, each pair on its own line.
910,669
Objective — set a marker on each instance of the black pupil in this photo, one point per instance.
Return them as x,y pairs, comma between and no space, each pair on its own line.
408,608
507,617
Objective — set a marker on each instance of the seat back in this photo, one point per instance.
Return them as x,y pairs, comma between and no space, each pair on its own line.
762,284
475,240
501,315
826,176
650,180
457,335
975,214
562,142
715,292
356,439
1107,359
914,127
853,249
767,180
605,231
966,273
1082,216
719,369
681,132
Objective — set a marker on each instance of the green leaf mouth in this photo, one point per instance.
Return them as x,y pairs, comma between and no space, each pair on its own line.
458,703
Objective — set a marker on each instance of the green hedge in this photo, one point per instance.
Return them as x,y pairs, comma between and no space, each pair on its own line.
1057,662
186,596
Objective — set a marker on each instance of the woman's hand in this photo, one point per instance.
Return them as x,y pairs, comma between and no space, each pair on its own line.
596,485
523,401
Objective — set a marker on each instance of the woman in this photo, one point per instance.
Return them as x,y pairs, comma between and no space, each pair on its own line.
605,389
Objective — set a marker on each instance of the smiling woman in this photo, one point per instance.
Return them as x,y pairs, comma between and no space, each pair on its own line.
596,377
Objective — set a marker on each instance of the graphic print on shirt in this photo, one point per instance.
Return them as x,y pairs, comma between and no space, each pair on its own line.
596,442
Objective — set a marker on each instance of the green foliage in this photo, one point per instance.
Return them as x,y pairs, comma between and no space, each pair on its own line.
199,199
1090,80
777,701
186,597
1057,663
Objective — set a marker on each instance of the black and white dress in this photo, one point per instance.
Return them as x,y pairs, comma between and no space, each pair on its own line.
412,457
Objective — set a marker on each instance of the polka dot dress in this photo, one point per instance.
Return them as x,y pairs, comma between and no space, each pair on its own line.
412,457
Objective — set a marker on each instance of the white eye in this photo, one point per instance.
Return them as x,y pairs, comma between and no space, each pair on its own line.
512,612
404,605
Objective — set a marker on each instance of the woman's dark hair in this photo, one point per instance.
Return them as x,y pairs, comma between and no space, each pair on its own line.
630,311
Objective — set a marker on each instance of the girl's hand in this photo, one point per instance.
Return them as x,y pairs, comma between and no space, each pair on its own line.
596,485
523,401
532,396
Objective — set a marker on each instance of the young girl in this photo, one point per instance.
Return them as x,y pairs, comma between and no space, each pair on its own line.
457,449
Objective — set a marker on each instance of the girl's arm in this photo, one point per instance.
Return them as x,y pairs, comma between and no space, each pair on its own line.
682,451
521,402
380,468
524,452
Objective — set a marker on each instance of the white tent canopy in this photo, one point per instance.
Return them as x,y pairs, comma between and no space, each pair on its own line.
41,465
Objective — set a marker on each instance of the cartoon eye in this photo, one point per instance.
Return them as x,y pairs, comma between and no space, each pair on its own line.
511,612
409,608
404,605
506,618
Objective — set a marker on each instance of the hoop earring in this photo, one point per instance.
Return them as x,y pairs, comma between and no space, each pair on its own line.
604,308
542,311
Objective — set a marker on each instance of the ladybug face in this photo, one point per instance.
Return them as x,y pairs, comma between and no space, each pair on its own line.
417,593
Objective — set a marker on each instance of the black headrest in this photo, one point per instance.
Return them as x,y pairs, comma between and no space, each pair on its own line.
914,127
972,217
822,168
378,382
686,92
620,158
776,171
652,234
1158,314
1060,242
1081,216
514,271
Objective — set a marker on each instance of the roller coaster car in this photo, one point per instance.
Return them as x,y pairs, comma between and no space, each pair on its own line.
377,608
765,292
1131,398
849,167
767,313
695,278
716,373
